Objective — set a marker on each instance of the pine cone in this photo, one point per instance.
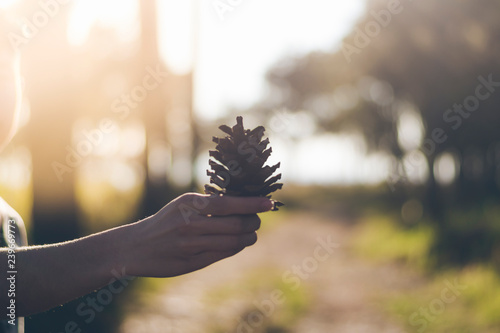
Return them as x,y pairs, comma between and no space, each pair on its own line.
238,164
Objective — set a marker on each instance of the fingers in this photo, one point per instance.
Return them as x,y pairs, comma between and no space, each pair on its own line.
226,205
217,243
207,258
219,251
228,242
225,225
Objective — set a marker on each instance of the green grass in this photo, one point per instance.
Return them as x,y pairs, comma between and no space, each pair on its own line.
472,307
271,220
256,293
382,240
431,306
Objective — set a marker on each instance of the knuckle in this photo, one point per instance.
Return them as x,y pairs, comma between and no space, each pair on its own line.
186,198
202,204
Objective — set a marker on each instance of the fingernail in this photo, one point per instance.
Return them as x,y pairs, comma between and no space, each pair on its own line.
267,205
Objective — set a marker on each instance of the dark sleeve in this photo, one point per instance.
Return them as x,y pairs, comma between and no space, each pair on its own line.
8,216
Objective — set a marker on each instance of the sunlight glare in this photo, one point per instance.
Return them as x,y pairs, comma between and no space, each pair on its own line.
235,53
7,3
15,169
415,167
342,160
410,129
175,34
118,14
445,168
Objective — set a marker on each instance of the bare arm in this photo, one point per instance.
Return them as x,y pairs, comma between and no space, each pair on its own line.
189,233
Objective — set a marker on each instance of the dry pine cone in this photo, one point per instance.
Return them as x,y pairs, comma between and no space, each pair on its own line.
238,164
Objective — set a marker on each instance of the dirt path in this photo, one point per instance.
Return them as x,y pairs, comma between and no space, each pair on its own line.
309,252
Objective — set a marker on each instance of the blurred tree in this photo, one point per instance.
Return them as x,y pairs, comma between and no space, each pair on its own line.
66,84
154,110
73,89
439,56
51,92
437,53
165,110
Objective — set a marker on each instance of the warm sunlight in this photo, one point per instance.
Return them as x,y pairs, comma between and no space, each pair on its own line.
119,14
222,43
7,3
175,33
150,133
238,49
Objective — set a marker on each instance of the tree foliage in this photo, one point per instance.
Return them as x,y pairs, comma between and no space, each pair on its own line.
439,58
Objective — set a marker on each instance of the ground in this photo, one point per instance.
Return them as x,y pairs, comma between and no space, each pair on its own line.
330,290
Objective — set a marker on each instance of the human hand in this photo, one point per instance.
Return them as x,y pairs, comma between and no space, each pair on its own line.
191,232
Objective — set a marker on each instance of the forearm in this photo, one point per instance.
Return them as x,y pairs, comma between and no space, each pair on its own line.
51,275
179,239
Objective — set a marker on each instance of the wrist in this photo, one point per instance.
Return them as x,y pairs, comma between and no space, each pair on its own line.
106,253
120,250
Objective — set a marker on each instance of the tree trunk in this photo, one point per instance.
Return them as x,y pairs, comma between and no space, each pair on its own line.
157,191
432,195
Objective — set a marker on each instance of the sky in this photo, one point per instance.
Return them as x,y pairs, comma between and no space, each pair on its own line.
235,45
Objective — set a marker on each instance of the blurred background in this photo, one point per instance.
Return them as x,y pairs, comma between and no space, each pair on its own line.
384,115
